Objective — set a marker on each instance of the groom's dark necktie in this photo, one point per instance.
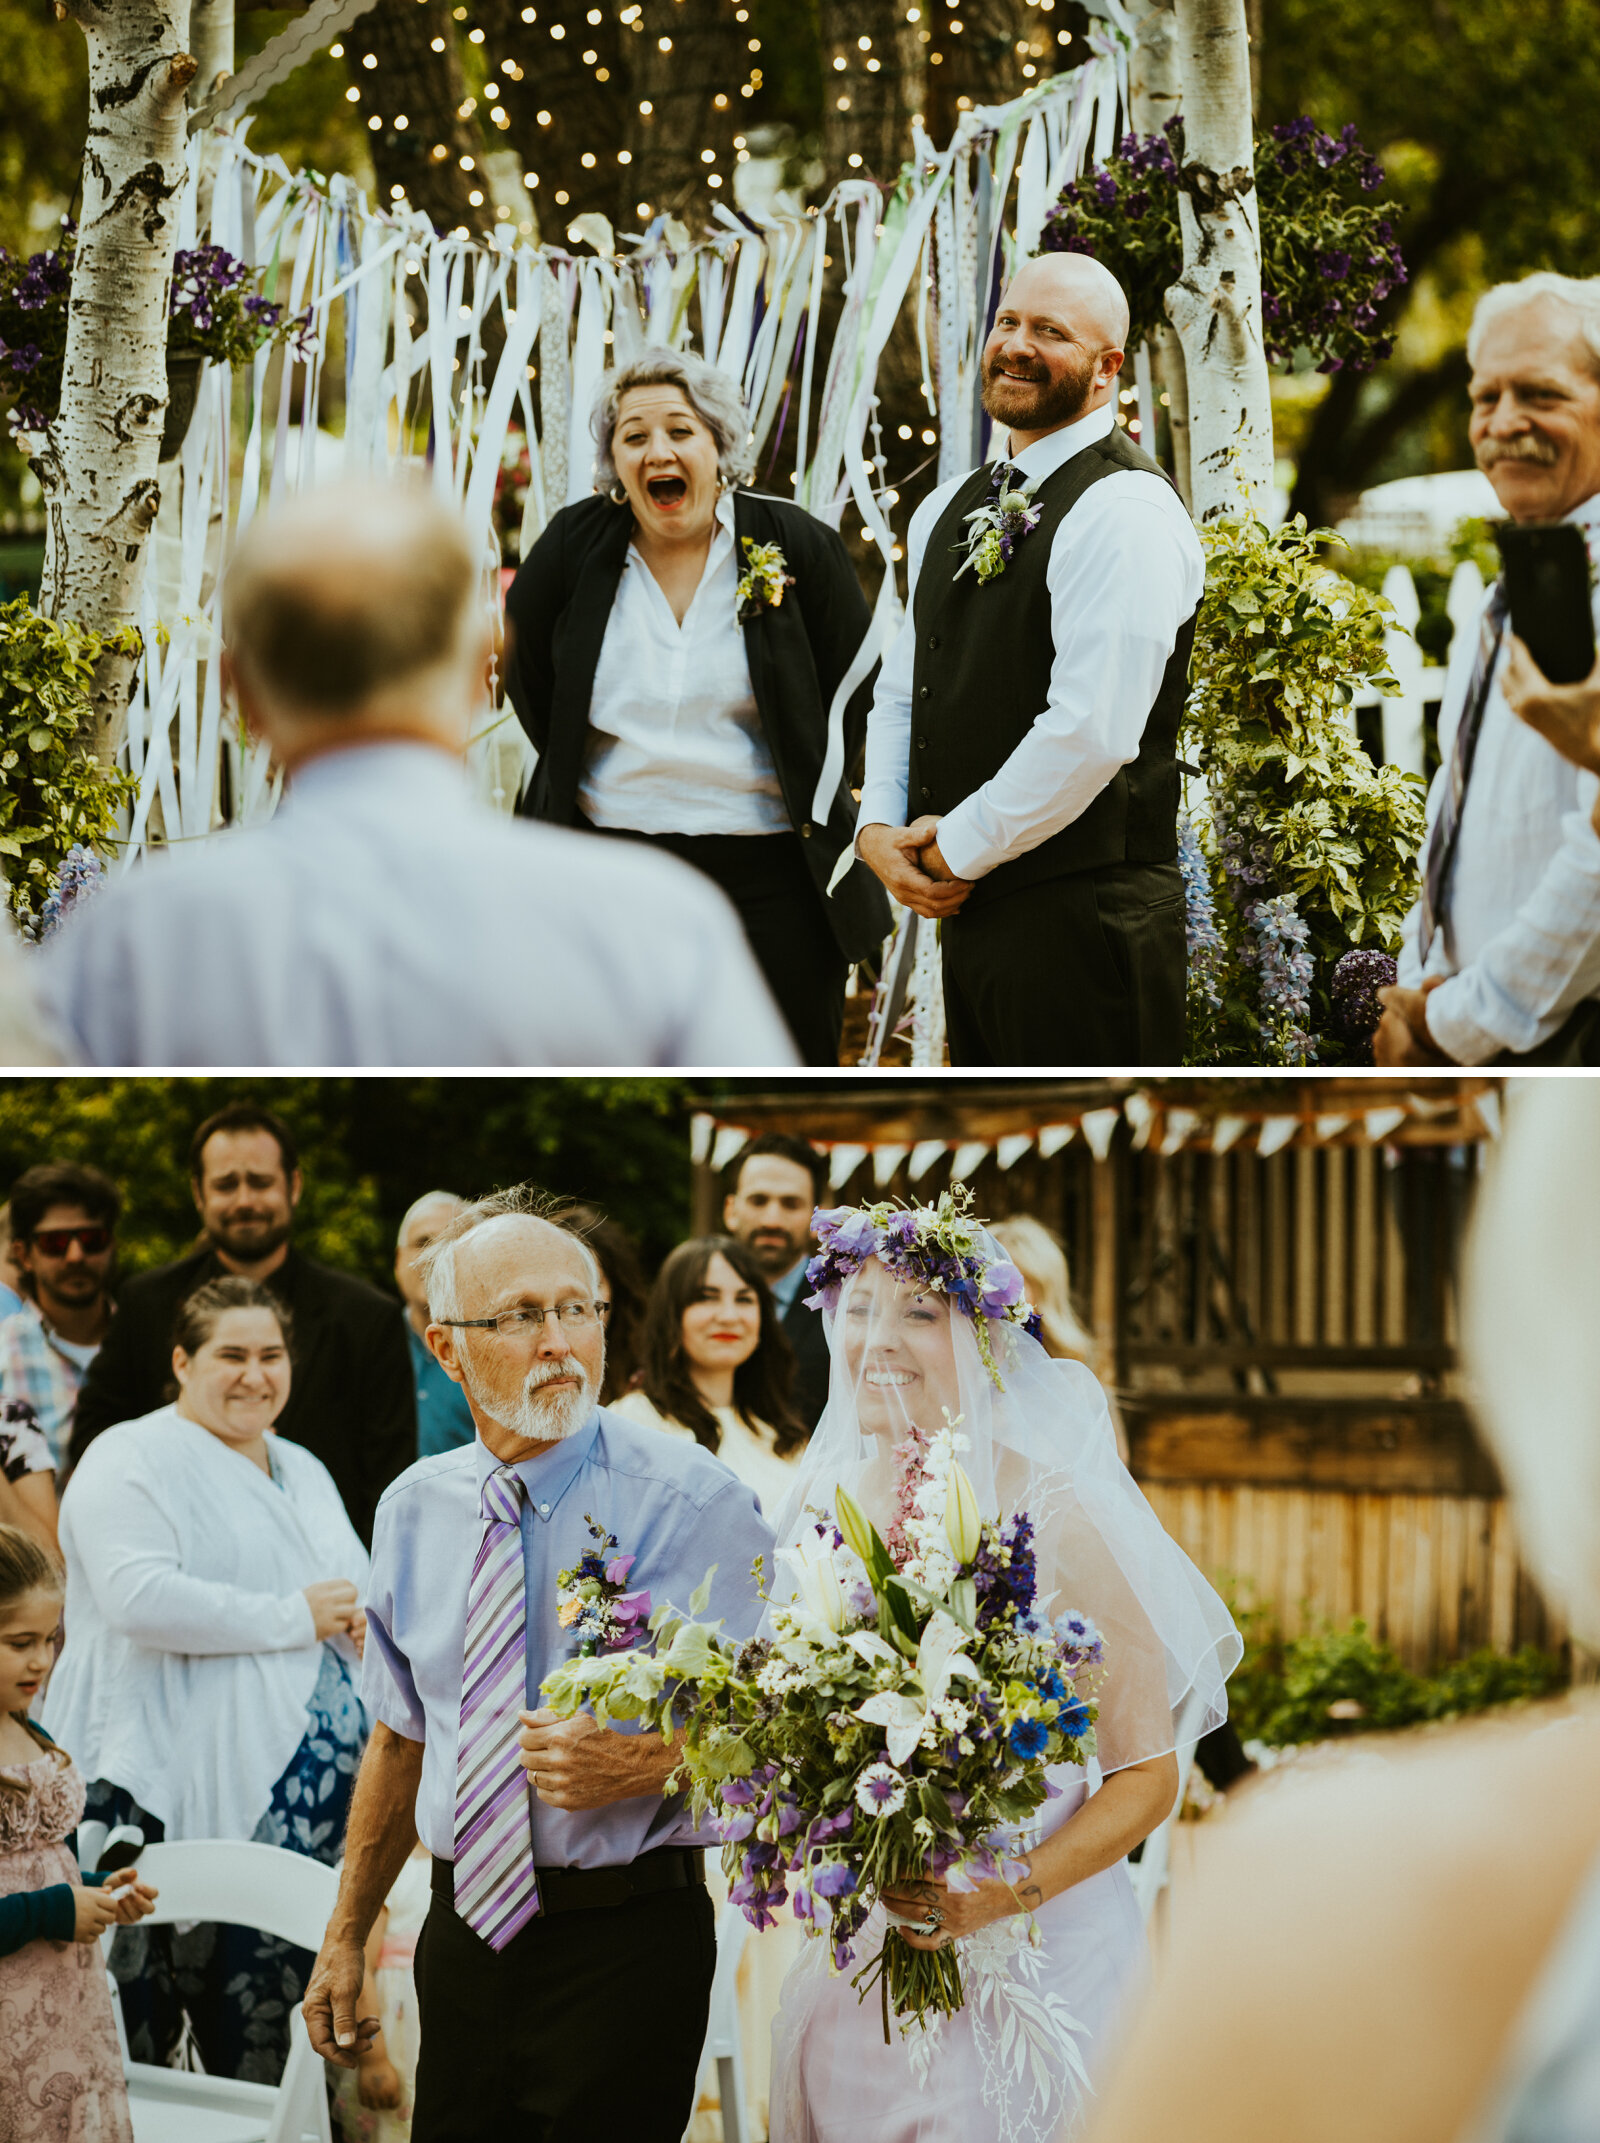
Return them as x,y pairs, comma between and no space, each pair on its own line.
1439,867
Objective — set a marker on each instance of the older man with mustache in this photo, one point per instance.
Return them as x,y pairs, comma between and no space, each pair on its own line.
564,1969
1501,961
1026,720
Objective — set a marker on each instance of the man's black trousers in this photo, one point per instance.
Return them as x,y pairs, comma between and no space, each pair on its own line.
586,2024
1085,970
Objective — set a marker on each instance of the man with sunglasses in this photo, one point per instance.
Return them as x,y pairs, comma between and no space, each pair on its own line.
64,1221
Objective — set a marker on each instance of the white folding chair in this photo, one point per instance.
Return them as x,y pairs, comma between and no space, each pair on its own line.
282,1894
724,2047
1151,1871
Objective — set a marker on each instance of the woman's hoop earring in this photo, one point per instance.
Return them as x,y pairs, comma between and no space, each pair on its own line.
618,493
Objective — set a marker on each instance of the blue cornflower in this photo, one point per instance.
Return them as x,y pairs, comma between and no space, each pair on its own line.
1027,1738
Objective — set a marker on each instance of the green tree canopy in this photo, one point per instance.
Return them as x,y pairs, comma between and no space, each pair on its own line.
368,1148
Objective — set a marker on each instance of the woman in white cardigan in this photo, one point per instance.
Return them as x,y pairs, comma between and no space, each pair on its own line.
209,1683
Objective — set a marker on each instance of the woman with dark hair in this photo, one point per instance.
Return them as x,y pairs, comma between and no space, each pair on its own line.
718,1366
623,1288
678,645
208,1687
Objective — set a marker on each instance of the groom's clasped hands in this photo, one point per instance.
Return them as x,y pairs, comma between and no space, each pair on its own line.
577,1763
908,861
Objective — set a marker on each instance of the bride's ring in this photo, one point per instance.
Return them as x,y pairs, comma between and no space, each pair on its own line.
929,1926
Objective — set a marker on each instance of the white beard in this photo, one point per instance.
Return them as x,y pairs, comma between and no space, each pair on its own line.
542,1417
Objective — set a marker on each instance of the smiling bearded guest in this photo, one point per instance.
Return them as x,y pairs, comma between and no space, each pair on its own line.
564,1970
1026,720
677,687
1501,955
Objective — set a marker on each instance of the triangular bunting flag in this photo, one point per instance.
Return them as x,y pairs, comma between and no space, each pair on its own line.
968,1155
885,1160
1012,1147
1276,1132
1053,1137
843,1161
1140,1111
1227,1131
701,1127
923,1155
1380,1122
729,1138
1179,1126
1098,1126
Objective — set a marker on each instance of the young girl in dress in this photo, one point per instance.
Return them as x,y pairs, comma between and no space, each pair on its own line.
58,2053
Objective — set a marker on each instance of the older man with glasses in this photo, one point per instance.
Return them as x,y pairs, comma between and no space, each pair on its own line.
569,1900
63,1221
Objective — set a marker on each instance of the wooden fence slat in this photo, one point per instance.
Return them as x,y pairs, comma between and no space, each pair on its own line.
1305,1244
1335,1308
1277,1247
1502,1580
1366,1258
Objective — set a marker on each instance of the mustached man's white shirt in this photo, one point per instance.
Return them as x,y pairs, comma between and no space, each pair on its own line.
1126,569
1520,942
384,917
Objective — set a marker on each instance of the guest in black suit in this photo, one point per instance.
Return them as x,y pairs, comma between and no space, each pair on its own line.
352,1401
775,1185
676,646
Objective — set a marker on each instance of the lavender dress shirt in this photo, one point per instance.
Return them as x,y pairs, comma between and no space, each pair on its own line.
671,1504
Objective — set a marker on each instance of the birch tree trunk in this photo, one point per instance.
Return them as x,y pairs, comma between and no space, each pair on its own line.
97,460
1215,305
1156,95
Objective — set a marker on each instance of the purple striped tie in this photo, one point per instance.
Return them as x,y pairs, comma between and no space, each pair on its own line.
496,1893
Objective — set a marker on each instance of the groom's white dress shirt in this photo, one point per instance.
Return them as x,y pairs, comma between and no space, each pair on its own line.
1126,569
1521,938
385,917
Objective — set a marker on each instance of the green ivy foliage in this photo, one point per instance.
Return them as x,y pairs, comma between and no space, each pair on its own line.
53,796
1283,645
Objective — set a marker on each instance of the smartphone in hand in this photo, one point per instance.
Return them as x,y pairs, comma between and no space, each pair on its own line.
1545,565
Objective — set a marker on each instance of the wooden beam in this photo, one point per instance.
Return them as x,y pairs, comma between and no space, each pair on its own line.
1371,1446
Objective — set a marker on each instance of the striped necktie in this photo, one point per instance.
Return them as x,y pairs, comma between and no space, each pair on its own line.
1440,865
496,1893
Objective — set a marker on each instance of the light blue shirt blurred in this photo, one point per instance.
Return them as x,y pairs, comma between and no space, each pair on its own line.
386,917
670,1504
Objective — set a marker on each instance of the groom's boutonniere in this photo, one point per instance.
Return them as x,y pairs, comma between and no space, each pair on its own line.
996,527
593,1601
764,579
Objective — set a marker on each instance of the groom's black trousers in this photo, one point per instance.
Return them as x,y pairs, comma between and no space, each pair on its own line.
587,2024
1089,969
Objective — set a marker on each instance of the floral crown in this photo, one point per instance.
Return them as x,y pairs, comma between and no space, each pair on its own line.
940,1249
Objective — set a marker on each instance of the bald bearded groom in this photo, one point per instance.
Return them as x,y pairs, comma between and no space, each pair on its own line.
1022,783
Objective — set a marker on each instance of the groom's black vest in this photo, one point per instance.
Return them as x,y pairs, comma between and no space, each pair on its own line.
982,677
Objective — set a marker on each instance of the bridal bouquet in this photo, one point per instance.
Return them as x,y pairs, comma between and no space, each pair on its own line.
897,1724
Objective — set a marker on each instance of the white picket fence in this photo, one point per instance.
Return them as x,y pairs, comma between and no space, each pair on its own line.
1421,682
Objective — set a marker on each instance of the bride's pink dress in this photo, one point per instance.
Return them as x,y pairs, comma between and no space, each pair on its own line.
60,2069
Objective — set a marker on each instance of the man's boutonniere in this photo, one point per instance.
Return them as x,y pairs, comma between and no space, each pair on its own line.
996,528
594,1603
764,579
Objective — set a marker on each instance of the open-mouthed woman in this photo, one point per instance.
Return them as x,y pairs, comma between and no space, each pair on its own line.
676,645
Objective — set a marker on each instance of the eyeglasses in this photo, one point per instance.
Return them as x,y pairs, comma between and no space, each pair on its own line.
56,1242
516,1324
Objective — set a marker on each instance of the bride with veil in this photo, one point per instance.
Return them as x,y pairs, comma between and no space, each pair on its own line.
926,1327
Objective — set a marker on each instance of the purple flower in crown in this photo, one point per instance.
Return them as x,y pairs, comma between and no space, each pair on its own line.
1002,1286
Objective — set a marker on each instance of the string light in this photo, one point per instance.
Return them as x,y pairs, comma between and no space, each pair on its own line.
369,60
401,123
352,95
438,44
336,52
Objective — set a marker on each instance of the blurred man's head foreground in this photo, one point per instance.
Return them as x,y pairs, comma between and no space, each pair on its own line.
351,616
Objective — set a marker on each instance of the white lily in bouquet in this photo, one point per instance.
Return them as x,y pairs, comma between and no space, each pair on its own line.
898,1723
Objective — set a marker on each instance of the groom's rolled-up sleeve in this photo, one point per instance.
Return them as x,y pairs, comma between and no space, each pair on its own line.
1126,571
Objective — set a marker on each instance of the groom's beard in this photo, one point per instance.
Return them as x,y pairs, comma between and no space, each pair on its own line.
1040,402
537,1415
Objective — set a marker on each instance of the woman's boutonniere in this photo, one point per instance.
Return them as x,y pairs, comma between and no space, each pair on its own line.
593,1601
996,527
765,577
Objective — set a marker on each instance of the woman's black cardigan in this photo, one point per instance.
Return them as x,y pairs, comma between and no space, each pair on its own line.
559,606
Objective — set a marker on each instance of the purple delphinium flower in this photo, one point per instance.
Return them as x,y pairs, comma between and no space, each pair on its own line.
1207,952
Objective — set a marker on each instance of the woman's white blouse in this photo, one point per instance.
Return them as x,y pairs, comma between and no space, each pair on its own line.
190,1650
746,1452
675,741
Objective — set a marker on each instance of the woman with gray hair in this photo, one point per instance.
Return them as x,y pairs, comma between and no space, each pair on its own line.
676,644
